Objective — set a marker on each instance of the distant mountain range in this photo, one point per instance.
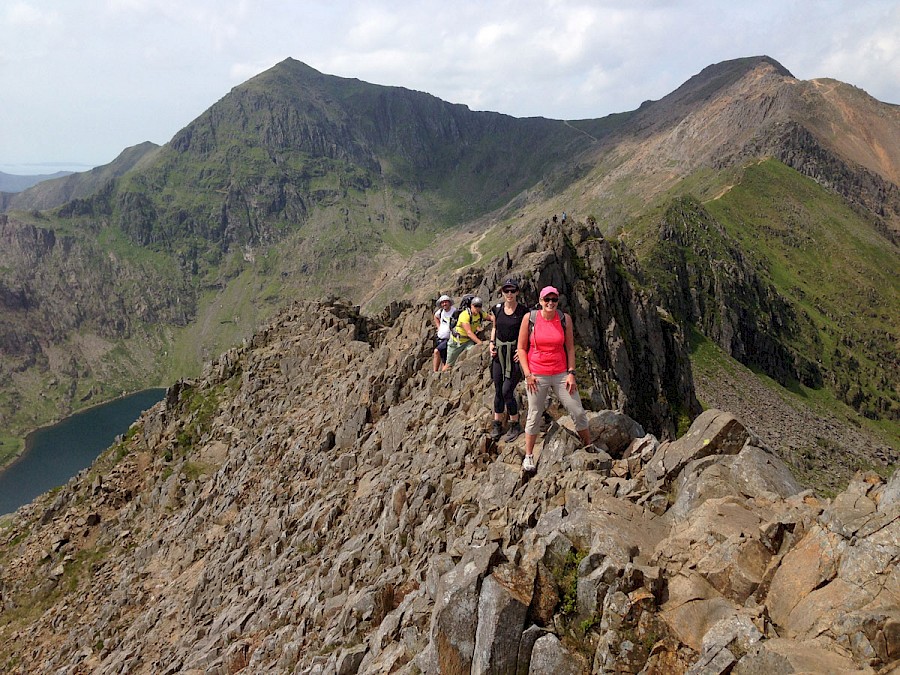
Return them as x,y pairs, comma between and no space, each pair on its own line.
14,183
51,191
762,213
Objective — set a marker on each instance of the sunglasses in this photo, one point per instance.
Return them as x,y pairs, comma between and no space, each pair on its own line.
510,290
477,305
551,299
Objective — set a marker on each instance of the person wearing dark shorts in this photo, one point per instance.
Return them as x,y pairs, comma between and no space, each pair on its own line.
505,369
442,326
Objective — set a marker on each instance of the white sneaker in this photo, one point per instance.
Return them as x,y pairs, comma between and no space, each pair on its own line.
528,463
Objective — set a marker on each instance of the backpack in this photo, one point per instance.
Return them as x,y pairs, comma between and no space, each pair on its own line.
533,313
464,304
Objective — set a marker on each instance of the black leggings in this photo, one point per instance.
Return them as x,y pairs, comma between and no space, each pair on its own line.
505,389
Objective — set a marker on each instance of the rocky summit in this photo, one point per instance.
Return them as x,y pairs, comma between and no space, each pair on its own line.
319,502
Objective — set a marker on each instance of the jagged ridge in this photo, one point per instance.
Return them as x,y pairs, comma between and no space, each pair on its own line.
319,501
305,181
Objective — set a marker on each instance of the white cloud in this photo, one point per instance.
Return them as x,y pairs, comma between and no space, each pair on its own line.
24,14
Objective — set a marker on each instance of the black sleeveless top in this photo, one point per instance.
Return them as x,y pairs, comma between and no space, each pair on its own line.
508,325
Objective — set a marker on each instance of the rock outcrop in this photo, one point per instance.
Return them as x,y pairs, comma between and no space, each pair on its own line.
707,280
319,502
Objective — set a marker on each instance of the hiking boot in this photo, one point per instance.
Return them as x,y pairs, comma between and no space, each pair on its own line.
528,464
496,431
515,430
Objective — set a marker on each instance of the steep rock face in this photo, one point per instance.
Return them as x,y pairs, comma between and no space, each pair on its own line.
67,304
764,271
706,280
633,356
318,501
65,282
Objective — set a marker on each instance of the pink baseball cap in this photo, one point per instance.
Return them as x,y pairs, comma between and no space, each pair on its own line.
547,289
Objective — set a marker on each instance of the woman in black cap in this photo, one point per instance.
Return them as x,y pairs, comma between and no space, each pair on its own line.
505,369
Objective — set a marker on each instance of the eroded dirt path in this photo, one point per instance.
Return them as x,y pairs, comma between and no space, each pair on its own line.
473,249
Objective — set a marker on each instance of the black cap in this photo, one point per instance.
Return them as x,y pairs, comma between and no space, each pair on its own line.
510,283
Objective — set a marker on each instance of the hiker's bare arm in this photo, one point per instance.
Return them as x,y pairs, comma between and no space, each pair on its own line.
493,343
468,328
522,352
571,385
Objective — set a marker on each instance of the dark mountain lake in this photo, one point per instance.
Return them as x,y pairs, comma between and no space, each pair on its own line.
56,453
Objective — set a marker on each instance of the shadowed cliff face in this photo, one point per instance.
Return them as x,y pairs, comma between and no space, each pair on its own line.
766,281
77,320
68,282
707,281
319,501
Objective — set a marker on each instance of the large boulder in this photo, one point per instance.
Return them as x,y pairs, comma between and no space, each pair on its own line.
752,473
505,596
780,656
610,429
840,581
713,433
456,605
550,657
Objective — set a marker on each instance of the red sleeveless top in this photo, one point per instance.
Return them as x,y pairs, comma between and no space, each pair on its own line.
547,351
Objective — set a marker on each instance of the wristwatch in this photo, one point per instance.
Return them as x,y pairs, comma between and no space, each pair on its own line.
571,371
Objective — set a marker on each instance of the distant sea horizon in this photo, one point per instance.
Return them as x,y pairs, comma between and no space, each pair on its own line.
41,168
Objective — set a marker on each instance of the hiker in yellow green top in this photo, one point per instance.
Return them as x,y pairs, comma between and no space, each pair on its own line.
464,334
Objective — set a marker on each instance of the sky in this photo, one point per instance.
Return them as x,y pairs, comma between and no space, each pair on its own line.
81,80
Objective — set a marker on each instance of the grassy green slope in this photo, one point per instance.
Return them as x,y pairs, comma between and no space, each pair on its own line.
835,268
801,288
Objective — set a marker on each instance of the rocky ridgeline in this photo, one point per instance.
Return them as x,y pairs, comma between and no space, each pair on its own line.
319,502
631,355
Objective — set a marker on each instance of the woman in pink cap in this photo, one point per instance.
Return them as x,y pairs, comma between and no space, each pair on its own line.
547,353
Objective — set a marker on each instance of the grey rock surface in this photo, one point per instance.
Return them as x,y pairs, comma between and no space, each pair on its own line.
318,501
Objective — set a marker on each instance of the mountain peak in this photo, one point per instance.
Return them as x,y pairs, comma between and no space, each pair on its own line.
295,67
742,66
719,76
